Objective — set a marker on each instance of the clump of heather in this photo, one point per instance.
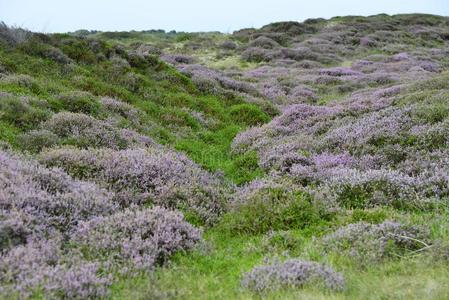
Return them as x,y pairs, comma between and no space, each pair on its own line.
143,238
177,59
293,273
255,54
13,35
264,42
123,109
373,243
85,131
36,201
36,140
42,211
228,45
216,82
42,267
146,175
15,228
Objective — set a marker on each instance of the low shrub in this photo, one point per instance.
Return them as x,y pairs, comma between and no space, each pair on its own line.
255,54
373,243
228,45
13,36
20,112
15,228
282,241
292,273
141,176
79,102
40,267
36,140
79,50
123,109
248,114
145,238
264,42
262,208
48,198
85,131
56,55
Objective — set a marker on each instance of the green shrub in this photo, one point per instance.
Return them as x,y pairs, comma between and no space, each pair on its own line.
79,50
278,241
79,102
248,114
20,112
272,209
36,140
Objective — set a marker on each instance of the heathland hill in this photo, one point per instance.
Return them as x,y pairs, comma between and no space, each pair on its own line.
298,160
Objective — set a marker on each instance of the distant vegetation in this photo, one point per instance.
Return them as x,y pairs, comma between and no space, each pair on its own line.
298,160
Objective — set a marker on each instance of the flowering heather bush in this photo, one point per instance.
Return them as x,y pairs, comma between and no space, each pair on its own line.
85,131
42,267
372,243
255,54
147,49
15,228
228,45
375,128
20,80
264,42
357,148
44,200
368,42
178,59
123,109
138,176
300,94
339,71
298,54
211,81
36,203
292,273
145,238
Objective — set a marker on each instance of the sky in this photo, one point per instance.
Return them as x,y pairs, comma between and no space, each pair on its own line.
192,15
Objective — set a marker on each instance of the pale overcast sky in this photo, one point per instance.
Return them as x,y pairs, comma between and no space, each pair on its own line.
193,15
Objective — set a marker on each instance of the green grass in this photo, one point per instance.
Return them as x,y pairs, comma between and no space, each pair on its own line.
215,271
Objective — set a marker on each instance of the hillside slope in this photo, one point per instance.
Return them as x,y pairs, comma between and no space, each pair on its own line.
298,160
